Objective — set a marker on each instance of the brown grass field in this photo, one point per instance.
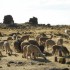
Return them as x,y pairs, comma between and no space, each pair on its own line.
19,63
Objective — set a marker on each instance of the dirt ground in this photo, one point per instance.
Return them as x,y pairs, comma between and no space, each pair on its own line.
18,63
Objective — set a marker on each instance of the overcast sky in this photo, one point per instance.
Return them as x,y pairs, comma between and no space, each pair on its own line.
47,11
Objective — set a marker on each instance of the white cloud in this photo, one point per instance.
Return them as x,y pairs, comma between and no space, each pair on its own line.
47,11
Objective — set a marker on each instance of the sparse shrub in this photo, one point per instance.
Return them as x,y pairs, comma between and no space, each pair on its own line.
55,59
68,62
48,25
65,69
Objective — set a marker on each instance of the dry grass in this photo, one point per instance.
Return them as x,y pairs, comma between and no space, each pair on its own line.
39,64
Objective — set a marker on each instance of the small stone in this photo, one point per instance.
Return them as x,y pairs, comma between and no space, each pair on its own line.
8,65
9,54
0,66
